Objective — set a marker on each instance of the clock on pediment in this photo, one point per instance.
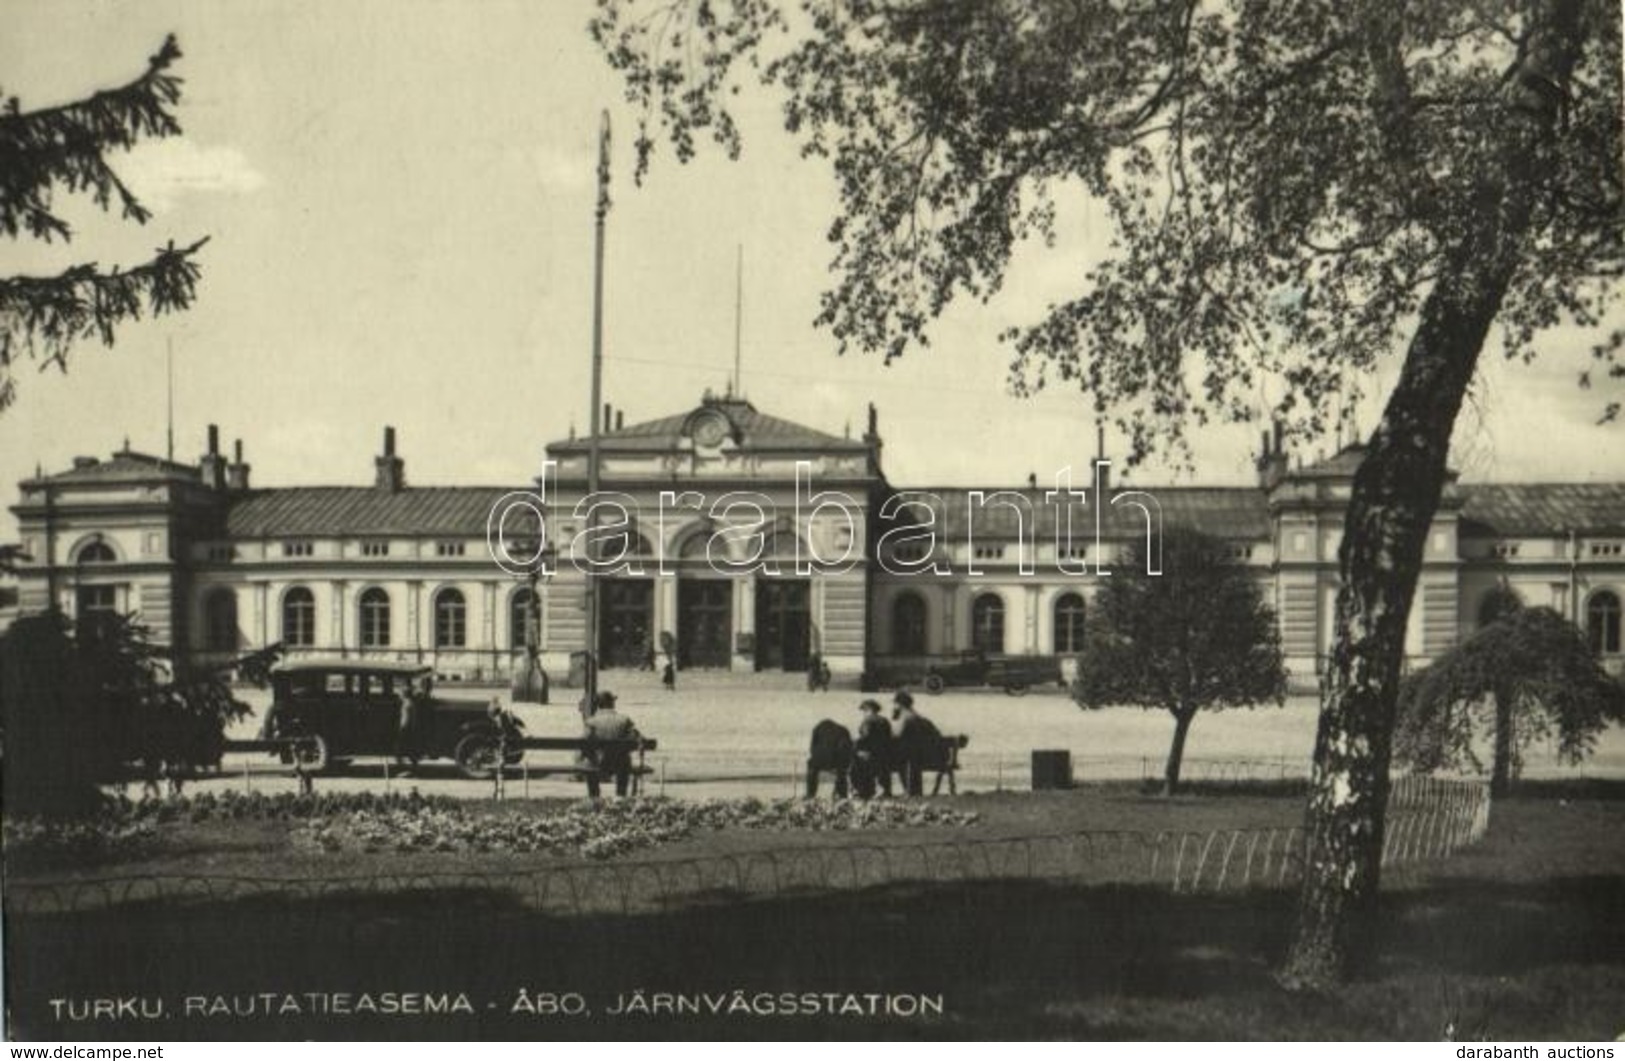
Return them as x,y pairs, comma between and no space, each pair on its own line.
709,429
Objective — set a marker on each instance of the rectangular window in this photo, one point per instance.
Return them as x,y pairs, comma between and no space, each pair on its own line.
374,548
449,548
220,554
97,600
1506,550
1607,549
450,625
297,548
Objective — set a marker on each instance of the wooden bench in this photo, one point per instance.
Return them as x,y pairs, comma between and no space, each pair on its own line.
276,746
946,762
948,750
583,745
579,745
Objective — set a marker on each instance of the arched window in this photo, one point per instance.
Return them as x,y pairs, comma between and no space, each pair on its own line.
299,618
1602,622
987,623
1068,623
1498,603
450,619
521,621
375,618
97,553
781,545
693,547
623,546
908,624
220,621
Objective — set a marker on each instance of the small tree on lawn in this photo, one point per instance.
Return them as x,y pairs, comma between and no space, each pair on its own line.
1521,679
1197,637
83,704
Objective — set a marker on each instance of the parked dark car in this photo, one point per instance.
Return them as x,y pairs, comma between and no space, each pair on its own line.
353,708
1014,674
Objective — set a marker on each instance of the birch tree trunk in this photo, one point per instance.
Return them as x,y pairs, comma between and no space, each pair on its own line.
1395,494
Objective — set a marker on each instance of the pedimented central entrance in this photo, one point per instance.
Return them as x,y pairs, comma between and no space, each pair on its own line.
704,622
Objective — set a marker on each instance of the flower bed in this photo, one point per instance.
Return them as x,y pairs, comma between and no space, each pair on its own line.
372,822
124,827
601,830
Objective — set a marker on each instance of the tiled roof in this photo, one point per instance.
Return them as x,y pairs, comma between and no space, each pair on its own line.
756,430
124,466
1523,509
363,510
1237,512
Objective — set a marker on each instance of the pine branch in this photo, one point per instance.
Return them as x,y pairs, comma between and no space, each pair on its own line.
67,145
45,316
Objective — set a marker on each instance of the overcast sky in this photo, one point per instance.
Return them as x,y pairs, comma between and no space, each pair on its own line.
398,195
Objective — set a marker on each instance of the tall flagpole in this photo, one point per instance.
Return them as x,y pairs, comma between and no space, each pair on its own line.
739,316
169,403
601,211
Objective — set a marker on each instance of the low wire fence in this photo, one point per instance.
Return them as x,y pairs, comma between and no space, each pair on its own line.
1428,819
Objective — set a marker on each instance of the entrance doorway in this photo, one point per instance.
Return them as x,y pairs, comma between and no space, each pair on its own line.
783,623
704,622
625,616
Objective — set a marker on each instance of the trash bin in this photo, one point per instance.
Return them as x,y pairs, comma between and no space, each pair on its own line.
1051,770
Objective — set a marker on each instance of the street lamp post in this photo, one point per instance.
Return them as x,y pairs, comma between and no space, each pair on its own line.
600,212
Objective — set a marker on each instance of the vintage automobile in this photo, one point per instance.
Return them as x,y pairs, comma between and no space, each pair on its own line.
1014,674
347,708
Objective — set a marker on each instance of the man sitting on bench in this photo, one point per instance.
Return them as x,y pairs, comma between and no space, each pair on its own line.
607,724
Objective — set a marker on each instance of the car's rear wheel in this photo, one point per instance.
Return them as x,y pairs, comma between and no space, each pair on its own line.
934,684
1015,689
476,755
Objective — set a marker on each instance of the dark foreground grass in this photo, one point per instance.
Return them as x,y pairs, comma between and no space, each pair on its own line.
1522,937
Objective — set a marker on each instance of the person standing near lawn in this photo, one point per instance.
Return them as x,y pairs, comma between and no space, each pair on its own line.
831,750
919,743
608,724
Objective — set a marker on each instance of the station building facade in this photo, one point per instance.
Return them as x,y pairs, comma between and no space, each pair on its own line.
724,505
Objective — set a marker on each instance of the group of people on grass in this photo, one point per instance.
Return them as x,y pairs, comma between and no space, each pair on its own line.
907,747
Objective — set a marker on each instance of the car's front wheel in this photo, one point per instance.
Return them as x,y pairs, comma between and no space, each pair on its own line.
1015,689
310,753
934,684
476,755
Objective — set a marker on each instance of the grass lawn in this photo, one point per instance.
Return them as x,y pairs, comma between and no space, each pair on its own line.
1522,936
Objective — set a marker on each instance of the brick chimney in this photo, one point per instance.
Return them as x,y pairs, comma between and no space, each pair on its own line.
213,463
391,469
237,471
1271,462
